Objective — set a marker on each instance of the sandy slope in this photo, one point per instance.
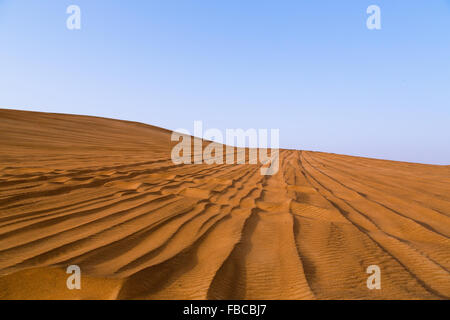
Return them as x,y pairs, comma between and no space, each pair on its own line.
104,194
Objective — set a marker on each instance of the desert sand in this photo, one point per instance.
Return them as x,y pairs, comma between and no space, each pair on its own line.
104,195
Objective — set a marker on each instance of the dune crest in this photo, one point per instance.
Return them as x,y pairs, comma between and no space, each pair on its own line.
104,194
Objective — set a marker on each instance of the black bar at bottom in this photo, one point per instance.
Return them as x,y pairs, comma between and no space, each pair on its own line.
223,309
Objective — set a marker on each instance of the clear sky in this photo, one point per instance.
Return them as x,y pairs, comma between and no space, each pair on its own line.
310,68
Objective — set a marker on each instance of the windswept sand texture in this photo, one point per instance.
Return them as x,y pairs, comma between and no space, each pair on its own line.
104,194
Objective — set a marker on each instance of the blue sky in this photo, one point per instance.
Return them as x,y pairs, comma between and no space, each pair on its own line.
310,68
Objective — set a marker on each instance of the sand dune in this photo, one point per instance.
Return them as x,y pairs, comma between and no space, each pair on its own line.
104,194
